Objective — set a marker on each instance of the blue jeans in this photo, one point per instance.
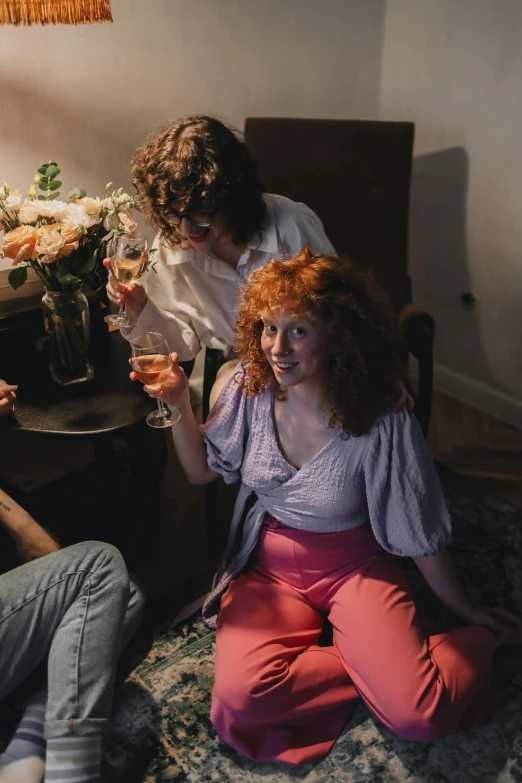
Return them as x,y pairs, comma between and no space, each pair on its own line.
76,608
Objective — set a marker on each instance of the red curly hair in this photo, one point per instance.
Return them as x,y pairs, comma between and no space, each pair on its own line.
364,360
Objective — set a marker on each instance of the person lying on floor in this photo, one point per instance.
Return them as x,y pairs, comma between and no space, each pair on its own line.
340,489
75,608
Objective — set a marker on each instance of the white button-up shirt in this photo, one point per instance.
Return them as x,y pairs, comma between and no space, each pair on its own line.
192,298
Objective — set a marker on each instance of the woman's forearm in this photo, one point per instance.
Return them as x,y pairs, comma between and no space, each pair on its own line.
31,539
14,518
190,446
439,573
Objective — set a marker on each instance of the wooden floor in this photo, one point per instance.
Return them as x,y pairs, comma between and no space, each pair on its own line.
478,446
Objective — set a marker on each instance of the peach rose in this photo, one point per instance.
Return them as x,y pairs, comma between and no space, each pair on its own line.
20,244
49,243
56,239
70,237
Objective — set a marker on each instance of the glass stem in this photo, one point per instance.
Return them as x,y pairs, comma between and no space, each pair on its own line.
162,407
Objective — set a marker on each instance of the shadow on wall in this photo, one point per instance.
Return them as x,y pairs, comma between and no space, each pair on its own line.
439,264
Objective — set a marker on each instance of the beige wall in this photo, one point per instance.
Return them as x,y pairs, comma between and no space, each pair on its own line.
455,68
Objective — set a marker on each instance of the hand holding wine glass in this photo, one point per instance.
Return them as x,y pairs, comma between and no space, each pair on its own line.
129,260
134,295
152,364
7,397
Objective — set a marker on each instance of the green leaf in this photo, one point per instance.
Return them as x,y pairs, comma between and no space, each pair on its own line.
42,198
52,163
43,181
43,169
53,196
52,171
54,185
68,279
83,193
89,265
18,276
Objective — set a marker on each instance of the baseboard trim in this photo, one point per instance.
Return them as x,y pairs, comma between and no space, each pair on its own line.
486,398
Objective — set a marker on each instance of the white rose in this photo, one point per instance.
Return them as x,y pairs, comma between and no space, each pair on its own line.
13,202
49,242
29,212
76,216
93,206
110,222
123,203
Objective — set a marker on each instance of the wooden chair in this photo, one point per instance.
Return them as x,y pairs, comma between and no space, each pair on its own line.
355,175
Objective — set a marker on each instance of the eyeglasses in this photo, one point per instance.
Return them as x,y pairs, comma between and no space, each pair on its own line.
196,219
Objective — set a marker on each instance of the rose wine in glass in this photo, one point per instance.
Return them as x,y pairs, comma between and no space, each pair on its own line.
129,260
151,362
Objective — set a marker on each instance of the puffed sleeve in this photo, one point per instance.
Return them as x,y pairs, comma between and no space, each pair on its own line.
407,508
226,431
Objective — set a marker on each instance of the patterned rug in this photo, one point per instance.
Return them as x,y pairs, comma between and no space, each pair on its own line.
162,731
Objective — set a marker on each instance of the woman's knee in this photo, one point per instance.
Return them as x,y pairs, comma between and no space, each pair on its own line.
257,697
419,727
98,556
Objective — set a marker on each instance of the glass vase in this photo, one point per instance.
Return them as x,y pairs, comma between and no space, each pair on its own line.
67,323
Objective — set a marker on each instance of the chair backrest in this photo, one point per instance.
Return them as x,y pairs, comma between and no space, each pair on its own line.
355,175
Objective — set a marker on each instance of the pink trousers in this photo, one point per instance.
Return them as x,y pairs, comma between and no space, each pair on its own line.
279,696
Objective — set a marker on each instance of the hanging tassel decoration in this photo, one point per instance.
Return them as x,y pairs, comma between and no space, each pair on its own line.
27,12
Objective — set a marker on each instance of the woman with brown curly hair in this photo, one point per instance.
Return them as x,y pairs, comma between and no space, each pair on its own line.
198,187
335,488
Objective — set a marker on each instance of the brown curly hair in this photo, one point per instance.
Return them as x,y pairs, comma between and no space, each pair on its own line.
364,365
193,160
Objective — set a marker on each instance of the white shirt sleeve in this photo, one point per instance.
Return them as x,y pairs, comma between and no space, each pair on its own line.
313,231
297,226
164,287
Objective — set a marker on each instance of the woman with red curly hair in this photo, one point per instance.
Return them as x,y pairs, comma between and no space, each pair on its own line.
335,489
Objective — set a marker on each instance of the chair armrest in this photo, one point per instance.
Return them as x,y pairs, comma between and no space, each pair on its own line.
417,330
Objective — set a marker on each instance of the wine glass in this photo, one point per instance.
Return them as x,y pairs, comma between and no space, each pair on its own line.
151,362
129,260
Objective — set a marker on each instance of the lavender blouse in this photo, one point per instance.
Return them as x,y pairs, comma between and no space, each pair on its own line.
386,476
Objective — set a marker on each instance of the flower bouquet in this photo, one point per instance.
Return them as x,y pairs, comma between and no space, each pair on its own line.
61,242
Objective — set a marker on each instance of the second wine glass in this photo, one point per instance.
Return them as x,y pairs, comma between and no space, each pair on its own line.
151,362
129,260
